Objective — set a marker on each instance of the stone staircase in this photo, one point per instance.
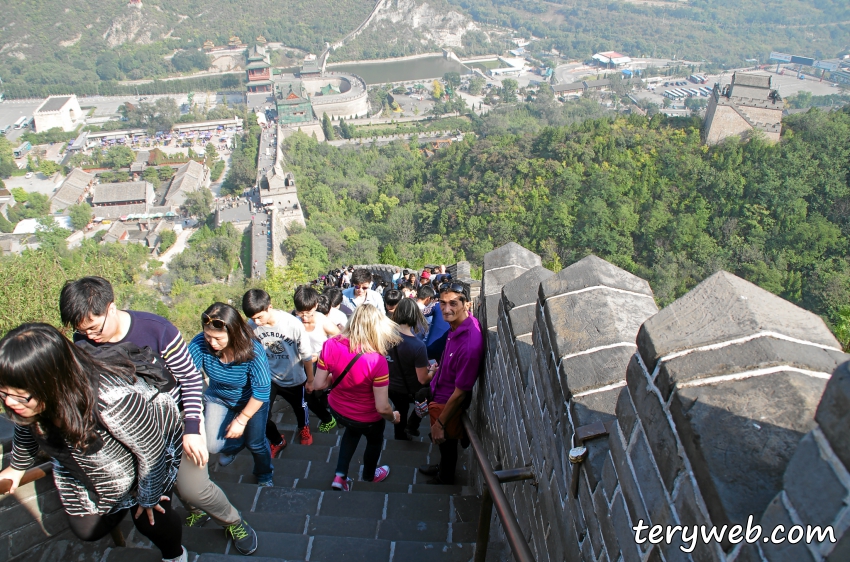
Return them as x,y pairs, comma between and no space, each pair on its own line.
302,518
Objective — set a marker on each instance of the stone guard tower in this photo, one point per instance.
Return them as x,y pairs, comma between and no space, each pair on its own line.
748,104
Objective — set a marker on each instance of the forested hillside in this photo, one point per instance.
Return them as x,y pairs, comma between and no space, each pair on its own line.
646,195
79,43
719,32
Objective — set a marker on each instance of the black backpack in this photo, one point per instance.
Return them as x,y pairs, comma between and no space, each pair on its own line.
150,366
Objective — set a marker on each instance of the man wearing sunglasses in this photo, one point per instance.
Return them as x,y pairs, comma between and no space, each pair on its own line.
454,380
360,293
88,306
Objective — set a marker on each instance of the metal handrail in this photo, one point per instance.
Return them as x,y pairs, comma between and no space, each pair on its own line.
513,533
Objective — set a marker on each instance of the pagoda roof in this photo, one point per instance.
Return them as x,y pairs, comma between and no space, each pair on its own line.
254,65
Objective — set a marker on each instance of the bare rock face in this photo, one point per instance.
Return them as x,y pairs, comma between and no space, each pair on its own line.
445,29
132,27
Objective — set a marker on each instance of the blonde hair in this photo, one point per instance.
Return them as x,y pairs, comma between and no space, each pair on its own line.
370,331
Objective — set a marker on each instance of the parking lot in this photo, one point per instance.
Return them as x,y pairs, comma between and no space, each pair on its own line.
788,85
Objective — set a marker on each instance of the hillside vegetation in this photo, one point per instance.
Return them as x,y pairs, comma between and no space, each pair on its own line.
717,31
644,194
77,43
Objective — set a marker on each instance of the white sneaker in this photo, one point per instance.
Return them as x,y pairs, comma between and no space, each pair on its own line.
182,558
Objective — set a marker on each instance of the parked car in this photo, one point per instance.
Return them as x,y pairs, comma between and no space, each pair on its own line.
28,175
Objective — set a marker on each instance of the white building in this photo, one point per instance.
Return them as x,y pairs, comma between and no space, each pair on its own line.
611,58
58,111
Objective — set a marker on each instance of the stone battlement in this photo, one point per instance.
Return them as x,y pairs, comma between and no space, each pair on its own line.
720,406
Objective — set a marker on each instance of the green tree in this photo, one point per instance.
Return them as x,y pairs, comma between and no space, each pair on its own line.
509,90
327,127
51,236
167,238
452,79
211,153
6,226
151,175
81,215
199,202
476,83
120,157
388,255
48,167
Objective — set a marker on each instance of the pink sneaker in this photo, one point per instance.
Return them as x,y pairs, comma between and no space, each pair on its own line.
381,473
341,483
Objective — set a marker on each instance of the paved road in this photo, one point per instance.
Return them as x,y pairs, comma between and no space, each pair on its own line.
261,244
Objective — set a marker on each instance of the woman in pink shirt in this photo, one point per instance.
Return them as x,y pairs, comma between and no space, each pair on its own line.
355,367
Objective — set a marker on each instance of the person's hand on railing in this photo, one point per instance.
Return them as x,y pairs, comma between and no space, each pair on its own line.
10,479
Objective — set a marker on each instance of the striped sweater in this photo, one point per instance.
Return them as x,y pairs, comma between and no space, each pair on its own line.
142,444
233,384
164,338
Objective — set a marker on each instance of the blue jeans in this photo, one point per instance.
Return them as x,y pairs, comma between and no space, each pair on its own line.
218,416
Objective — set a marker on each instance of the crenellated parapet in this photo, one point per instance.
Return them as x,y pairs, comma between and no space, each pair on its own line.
719,407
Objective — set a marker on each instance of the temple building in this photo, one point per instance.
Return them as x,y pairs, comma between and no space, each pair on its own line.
311,66
293,104
750,103
258,70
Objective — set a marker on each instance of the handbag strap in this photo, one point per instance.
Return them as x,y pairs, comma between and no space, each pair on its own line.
344,372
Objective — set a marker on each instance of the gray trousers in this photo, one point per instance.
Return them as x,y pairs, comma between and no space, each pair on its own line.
198,493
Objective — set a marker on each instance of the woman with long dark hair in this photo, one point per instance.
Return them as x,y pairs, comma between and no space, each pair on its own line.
237,400
355,366
409,369
116,441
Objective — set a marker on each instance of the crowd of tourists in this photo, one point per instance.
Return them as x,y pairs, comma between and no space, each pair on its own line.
130,413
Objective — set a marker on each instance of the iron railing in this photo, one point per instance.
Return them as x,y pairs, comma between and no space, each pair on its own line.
494,496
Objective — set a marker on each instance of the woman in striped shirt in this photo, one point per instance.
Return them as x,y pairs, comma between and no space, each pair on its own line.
116,442
356,366
237,400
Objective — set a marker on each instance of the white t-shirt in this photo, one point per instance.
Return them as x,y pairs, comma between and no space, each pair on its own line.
338,317
287,344
317,337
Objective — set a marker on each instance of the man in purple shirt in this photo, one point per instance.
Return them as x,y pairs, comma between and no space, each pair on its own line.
453,380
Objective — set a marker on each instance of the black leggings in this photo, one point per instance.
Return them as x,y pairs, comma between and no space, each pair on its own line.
294,395
402,402
166,533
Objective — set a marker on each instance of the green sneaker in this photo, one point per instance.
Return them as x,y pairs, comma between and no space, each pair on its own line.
244,537
197,519
326,427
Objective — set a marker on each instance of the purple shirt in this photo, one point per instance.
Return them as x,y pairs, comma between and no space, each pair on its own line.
459,364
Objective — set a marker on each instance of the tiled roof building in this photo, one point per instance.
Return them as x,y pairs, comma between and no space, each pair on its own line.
73,190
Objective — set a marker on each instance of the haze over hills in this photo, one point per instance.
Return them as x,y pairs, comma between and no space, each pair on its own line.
78,43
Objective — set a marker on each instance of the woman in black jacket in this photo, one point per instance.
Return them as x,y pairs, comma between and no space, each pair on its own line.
409,368
116,442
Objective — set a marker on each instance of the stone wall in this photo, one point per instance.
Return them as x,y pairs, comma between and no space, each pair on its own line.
719,407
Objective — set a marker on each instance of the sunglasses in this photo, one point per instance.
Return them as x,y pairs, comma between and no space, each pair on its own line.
453,287
216,323
16,397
